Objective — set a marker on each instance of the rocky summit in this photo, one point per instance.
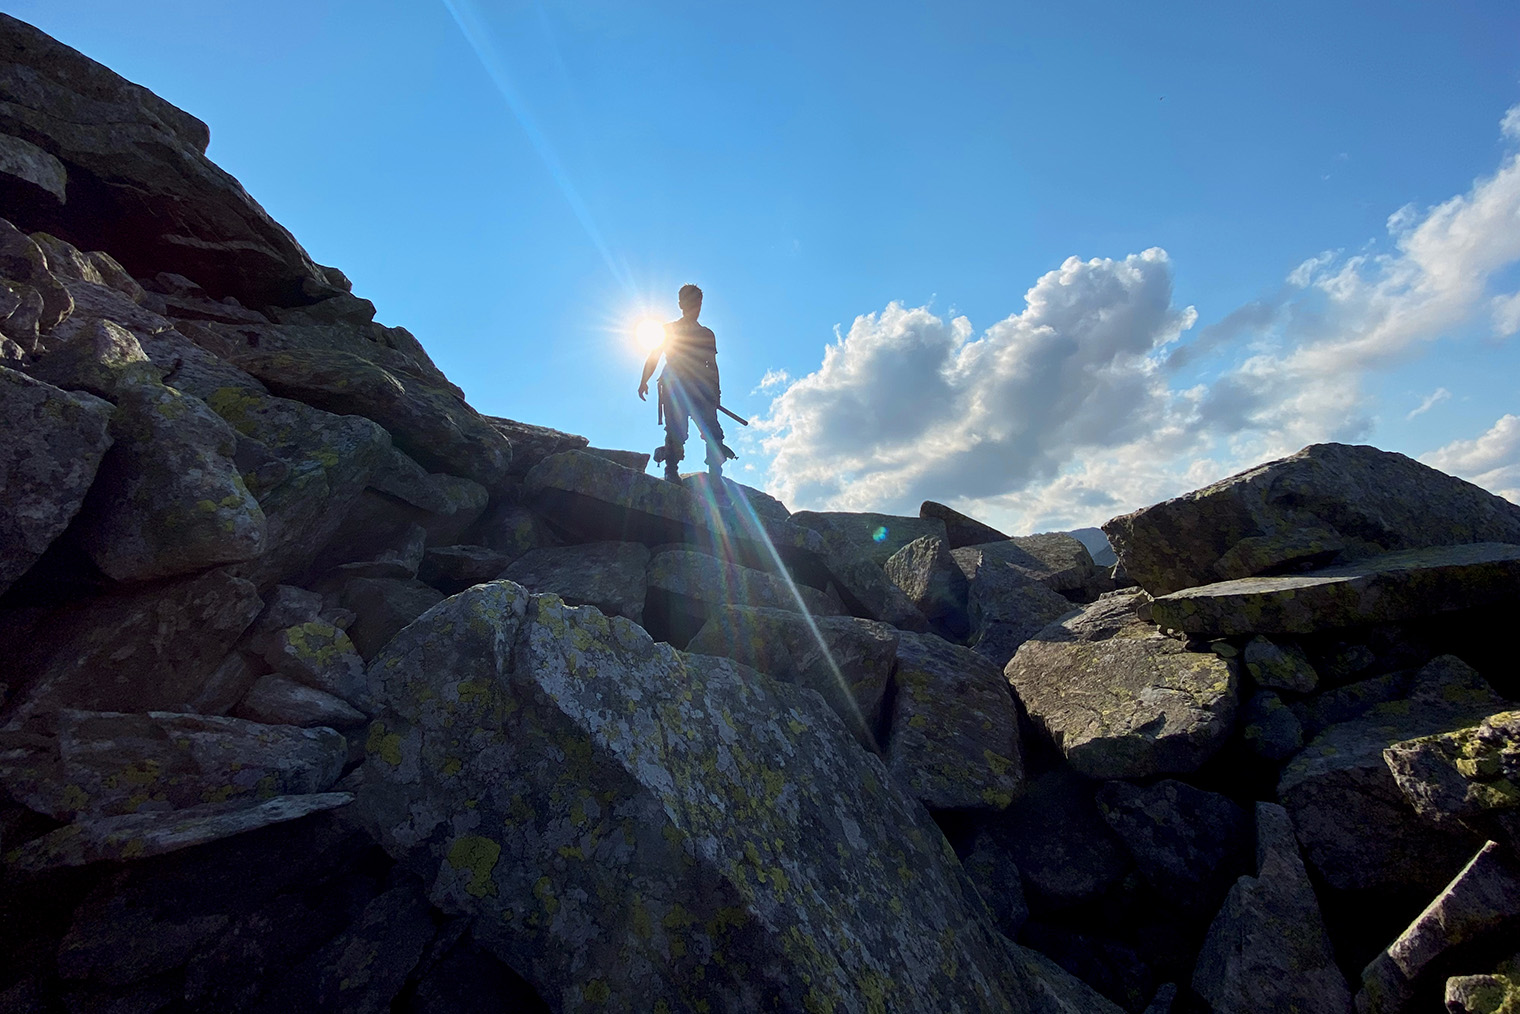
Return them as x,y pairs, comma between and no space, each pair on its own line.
320,690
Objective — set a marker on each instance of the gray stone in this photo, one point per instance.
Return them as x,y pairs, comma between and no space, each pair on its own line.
384,606
1269,727
275,700
607,575
1121,700
954,731
1004,606
933,583
847,660
1357,829
1482,903
1054,559
452,569
686,588
532,444
1331,707
511,530
225,686
25,265
169,499
145,650
1060,842
321,656
1267,949
95,356
848,534
1050,988
1103,555
448,504
53,447
25,161
1280,666
1471,776
867,592
395,551
746,499
756,860
1328,502
154,833
1161,1003
1498,993
995,875
1391,588
636,460
960,530
1188,844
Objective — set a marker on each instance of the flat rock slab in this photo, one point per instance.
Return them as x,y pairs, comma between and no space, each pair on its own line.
686,588
1004,605
954,729
140,835
1481,903
1327,503
868,592
623,820
1383,589
1357,828
532,444
105,764
960,530
874,536
1120,699
1054,559
1267,949
607,575
847,660
54,443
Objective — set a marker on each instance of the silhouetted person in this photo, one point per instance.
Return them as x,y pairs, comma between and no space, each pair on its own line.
688,387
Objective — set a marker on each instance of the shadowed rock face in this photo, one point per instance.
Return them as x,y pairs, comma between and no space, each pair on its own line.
1327,503
537,780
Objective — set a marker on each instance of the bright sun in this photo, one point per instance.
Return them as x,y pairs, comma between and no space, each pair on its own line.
649,333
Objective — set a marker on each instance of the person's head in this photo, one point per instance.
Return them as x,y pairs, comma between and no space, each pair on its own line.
690,301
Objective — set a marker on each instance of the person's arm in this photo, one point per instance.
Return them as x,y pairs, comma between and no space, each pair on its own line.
649,366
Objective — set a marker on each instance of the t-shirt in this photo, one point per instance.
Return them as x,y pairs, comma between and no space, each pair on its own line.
691,352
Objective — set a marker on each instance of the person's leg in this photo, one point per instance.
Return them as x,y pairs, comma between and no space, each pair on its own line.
677,420
712,435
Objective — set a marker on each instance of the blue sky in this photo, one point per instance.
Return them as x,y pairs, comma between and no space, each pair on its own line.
1045,262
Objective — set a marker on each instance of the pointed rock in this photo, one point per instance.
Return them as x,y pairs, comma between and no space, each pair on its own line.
1004,606
276,700
929,576
849,534
960,530
607,575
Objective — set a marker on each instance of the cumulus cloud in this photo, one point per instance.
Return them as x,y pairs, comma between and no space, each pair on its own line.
1431,400
1492,460
1073,410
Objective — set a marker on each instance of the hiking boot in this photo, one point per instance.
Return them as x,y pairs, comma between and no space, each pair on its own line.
672,473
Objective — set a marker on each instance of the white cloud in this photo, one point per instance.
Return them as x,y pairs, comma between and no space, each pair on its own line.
1435,397
1506,314
772,378
1065,414
1492,460
1510,125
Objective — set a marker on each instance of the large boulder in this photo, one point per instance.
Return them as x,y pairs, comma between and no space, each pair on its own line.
846,659
383,606
1328,502
150,649
866,591
532,444
1004,605
1060,843
1120,699
1267,949
138,176
934,584
429,422
954,730
625,821
170,499
1054,559
875,536
960,530
54,444
607,575
1470,776
446,505
1390,588
685,588
1357,829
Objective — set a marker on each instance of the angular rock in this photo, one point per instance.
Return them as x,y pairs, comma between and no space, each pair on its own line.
1102,553
448,503
139,177
848,534
1188,844
452,569
154,833
761,504
1280,666
1004,606
1121,700
24,161
1058,839
990,865
25,265
1267,949
1270,728
954,731
1471,776
1391,588
532,444
428,422
108,763
845,659
686,588
53,446
867,592
330,457
95,356
169,499
225,686
511,530
1052,989
393,550
636,460
1357,829
607,575
1328,502
1485,994
383,607
527,781
147,650
1054,559
321,656
275,700
1482,903
1331,707
960,530
929,576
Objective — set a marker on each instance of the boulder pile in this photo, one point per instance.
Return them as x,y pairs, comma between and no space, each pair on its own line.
321,690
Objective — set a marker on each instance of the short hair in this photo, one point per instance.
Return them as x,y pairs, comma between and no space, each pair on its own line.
688,296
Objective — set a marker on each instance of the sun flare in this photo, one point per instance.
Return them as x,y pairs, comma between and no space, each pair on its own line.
649,333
